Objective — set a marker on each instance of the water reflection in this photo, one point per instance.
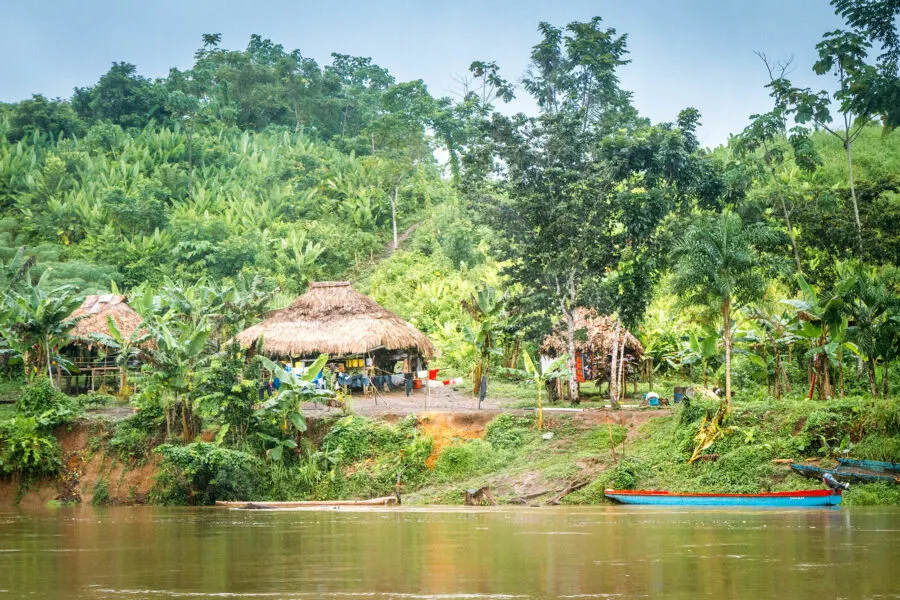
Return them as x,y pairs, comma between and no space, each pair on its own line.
607,552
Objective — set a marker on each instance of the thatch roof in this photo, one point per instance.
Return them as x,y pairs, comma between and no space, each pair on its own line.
335,319
92,316
593,334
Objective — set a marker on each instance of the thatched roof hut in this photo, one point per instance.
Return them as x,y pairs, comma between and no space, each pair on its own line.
593,335
335,319
93,313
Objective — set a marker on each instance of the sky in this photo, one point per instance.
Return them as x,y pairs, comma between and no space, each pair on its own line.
696,53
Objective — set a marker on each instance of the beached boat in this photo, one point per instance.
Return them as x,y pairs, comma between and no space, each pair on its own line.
852,470
771,499
872,465
267,505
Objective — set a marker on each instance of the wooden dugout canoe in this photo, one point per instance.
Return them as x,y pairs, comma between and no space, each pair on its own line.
385,501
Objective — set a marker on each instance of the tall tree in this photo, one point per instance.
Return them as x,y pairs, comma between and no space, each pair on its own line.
843,54
715,266
553,210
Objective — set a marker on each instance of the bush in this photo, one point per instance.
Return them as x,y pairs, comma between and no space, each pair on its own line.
355,438
133,437
201,473
507,431
466,459
27,448
44,402
97,400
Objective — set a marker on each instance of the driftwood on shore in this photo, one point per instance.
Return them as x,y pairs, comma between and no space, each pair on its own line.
480,497
385,501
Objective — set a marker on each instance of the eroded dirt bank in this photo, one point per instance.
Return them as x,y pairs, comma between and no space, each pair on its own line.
92,475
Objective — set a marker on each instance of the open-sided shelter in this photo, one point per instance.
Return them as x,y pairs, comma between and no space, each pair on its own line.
357,333
93,360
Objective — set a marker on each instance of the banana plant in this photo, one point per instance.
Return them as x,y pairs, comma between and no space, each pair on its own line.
294,391
541,376
127,348
702,349
179,351
486,307
818,318
39,324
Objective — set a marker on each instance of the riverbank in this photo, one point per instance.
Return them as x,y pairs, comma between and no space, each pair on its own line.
439,455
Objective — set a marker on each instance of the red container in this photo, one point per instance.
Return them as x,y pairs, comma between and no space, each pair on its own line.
417,384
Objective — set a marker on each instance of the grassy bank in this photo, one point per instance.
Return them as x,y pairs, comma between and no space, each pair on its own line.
436,457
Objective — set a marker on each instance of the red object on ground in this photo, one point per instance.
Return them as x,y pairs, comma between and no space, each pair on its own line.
432,374
446,382
417,384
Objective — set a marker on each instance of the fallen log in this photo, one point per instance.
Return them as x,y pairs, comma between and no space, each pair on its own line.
385,501
573,486
523,499
480,497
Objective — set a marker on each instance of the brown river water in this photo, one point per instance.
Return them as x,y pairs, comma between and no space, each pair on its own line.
411,552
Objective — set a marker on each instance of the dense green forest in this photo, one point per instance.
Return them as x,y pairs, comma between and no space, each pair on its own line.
768,266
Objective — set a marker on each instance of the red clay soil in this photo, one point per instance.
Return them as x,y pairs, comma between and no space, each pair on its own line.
84,468
82,471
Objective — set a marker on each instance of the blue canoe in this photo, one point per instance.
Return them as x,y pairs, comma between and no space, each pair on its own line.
802,498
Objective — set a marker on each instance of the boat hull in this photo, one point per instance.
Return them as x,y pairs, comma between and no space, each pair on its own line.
808,498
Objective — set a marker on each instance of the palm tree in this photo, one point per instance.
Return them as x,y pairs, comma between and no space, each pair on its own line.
715,267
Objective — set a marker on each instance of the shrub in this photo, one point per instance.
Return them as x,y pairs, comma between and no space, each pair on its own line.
27,448
201,473
97,400
508,431
133,437
50,406
465,459
354,438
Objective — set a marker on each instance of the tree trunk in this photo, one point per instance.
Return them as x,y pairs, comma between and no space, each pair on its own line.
570,342
841,372
394,213
622,389
613,370
185,422
726,314
859,240
872,385
776,385
567,298
49,361
191,160
540,406
787,220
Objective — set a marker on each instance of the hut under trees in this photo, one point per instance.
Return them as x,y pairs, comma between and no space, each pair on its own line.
364,340
95,349
602,346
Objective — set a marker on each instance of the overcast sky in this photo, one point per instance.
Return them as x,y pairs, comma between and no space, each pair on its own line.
684,52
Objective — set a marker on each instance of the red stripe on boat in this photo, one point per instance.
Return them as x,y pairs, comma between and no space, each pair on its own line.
803,493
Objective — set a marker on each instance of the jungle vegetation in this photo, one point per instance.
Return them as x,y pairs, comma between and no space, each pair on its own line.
768,266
